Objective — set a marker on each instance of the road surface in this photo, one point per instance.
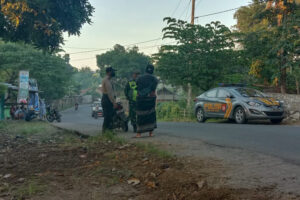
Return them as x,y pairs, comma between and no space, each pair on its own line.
263,153
274,140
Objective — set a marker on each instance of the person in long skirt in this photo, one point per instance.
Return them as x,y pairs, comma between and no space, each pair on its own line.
146,102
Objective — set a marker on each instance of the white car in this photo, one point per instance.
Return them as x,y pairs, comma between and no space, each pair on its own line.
97,110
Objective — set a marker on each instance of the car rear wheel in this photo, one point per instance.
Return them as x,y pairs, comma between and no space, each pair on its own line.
240,115
200,115
276,121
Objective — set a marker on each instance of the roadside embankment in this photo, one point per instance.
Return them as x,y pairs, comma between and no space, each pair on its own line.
39,161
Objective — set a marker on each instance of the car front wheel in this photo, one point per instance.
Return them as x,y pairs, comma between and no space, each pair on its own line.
240,116
200,115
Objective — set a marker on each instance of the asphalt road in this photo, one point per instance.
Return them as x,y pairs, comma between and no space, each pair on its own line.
279,141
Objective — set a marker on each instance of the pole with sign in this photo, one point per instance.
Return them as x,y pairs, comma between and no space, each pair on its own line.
23,86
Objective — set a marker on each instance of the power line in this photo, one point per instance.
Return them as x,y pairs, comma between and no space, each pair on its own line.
216,13
78,48
187,13
110,48
186,9
146,47
179,3
211,14
90,58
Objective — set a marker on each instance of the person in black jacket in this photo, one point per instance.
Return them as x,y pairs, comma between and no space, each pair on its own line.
146,102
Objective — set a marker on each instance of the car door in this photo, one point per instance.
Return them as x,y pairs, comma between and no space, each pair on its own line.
224,103
210,103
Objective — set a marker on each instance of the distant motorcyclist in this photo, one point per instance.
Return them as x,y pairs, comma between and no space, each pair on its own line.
131,95
76,106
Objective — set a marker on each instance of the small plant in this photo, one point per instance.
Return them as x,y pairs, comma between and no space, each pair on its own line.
152,149
3,125
29,189
111,136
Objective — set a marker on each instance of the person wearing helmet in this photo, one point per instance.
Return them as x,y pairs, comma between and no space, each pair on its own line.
131,96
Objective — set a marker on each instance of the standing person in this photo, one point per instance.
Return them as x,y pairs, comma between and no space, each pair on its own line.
146,102
108,100
76,106
131,95
12,112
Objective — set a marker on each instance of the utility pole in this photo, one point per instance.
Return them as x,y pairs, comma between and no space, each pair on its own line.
189,100
193,11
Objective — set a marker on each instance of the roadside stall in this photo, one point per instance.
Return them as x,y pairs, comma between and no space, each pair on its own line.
21,102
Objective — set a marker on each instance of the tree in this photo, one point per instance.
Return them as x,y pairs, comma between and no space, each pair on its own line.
125,61
52,73
42,22
202,57
269,34
86,79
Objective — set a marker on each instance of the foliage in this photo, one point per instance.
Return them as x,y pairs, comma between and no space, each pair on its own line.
199,55
51,72
269,34
42,22
2,90
86,79
174,111
125,61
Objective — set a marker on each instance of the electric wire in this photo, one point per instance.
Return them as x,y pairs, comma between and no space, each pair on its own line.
157,39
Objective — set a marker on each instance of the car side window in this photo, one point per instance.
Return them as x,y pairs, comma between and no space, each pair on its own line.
211,93
223,93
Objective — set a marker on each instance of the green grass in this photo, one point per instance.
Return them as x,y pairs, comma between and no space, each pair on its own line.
152,149
30,189
111,136
26,128
3,125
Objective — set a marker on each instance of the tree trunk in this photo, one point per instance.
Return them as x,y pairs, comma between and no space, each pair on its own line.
283,80
297,86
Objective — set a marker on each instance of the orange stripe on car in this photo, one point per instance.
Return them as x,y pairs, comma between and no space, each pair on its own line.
229,109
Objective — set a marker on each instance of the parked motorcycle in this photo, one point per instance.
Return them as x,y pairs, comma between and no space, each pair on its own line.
53,114
120,120
30,115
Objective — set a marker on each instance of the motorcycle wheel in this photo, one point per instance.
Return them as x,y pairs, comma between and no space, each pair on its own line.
50,118
28,118
125,127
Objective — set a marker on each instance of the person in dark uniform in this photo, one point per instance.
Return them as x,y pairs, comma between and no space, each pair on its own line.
146,102
131,95
108,100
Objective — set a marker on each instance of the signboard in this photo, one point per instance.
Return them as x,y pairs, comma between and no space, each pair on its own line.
23,86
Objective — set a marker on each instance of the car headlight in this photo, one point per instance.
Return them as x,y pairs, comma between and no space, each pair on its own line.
254,104
280,102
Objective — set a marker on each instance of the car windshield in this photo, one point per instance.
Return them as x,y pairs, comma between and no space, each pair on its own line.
248,92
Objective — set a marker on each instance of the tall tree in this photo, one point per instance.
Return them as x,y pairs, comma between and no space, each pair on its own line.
201,57
87,79
270,31
43,22
126,61
52,73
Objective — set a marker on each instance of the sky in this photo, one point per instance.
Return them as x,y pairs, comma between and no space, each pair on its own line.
127,22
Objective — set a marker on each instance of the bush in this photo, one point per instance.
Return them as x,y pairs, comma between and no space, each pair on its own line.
174,111
3,89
